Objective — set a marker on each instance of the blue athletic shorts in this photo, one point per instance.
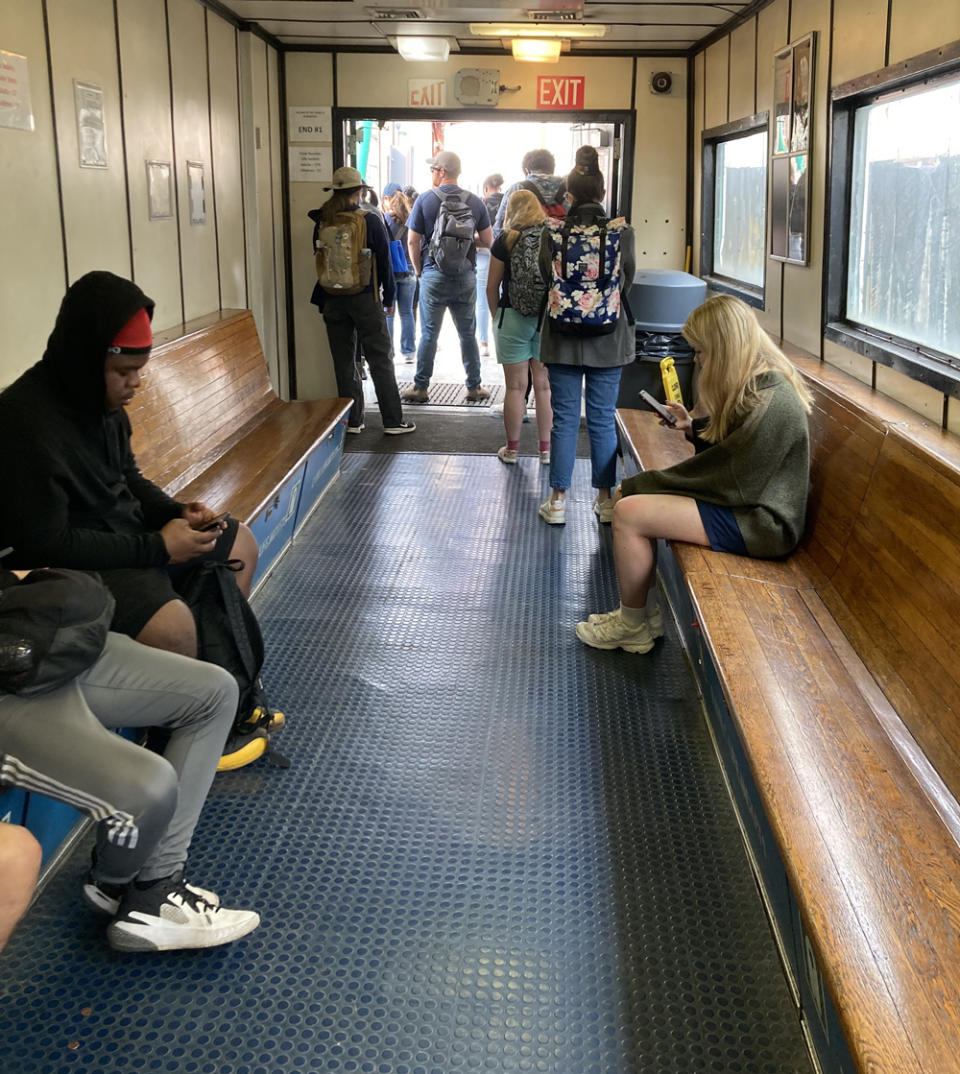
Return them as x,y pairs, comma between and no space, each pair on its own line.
722,528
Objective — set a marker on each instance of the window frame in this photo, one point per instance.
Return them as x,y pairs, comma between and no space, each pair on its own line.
710,139
914,360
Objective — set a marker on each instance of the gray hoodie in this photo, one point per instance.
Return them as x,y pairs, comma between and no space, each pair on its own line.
552,189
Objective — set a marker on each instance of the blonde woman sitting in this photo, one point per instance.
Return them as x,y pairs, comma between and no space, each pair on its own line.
515,294
745,489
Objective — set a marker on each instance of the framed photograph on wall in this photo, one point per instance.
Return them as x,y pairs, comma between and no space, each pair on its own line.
793,70
159,189
91,130
195,185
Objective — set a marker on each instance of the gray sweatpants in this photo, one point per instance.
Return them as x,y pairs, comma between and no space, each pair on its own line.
58,745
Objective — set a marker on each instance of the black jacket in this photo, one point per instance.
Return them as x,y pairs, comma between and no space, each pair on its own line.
70,491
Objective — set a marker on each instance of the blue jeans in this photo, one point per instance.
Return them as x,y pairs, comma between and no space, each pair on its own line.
483,310
439,292
602,387
406,286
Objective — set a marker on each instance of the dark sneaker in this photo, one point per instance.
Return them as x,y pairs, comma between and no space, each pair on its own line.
416,395
478,394
168,915
399,430
99,895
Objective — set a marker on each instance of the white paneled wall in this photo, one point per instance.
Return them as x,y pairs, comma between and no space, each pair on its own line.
170,81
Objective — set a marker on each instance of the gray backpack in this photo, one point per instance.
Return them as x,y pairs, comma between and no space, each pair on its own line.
452,238
526,288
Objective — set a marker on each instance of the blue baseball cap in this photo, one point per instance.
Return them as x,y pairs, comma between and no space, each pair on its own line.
390,189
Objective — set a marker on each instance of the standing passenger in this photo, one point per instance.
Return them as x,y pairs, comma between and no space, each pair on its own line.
445,265
538,166
574,360
745,489
516,294
492,197
359,316
396,211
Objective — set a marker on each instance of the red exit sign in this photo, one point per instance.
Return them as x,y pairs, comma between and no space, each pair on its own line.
560,92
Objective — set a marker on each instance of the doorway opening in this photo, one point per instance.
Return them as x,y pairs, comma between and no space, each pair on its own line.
395,147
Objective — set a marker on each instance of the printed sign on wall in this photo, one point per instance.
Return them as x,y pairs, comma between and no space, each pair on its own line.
560,92
15,110
427,92
311,164
310,124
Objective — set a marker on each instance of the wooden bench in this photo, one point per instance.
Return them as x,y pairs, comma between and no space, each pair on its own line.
832,684
208,426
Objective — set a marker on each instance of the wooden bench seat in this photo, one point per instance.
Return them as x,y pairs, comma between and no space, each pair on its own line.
834,676
208,426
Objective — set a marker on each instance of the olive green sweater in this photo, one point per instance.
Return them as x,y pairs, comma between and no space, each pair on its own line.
760,470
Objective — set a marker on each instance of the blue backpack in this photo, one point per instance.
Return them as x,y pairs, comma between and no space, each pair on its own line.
584,292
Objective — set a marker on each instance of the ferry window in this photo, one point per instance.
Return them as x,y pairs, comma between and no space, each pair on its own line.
734,218
903,263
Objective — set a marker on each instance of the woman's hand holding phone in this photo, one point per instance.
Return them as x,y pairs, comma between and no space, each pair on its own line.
683,421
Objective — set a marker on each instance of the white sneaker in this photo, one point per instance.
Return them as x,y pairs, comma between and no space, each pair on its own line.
544,458
355,429
603,509
614,633
654,619
553,511
409,358
169,916
507,455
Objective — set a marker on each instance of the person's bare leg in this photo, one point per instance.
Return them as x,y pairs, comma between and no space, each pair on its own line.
19,867
172,627
541,394
637,523
246,550
515,379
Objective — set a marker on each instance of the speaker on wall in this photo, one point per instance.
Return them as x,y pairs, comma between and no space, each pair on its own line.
661,82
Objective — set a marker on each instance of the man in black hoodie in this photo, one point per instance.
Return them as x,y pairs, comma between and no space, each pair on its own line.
71,494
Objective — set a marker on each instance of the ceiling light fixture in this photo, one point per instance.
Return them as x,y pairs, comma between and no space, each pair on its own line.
424,48
537,29
534,50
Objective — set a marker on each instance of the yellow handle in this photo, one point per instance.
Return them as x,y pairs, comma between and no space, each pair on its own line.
671,382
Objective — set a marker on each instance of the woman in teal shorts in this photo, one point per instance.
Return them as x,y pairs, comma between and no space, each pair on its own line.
515,294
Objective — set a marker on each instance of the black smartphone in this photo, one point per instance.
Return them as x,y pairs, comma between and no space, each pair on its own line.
212,523
656,405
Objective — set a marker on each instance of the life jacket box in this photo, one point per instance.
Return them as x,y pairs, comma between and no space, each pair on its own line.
660,300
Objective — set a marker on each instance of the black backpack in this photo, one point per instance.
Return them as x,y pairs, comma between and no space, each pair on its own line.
452,238
53,626
228,634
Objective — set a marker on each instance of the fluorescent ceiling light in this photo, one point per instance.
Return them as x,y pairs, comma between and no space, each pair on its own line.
537,29
424,48
533,50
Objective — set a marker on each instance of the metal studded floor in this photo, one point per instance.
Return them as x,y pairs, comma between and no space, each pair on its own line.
495,850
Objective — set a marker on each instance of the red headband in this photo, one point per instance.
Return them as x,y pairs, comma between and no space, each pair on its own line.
136,336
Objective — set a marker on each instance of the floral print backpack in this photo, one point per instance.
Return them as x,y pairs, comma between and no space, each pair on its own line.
584,294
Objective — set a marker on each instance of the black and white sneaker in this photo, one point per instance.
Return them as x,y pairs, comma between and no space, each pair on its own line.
168,915
399,430
99,895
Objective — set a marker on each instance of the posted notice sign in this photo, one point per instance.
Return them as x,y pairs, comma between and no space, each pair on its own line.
310,124
560,92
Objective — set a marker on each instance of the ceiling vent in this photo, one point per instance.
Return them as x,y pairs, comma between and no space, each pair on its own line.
570,15
395,14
